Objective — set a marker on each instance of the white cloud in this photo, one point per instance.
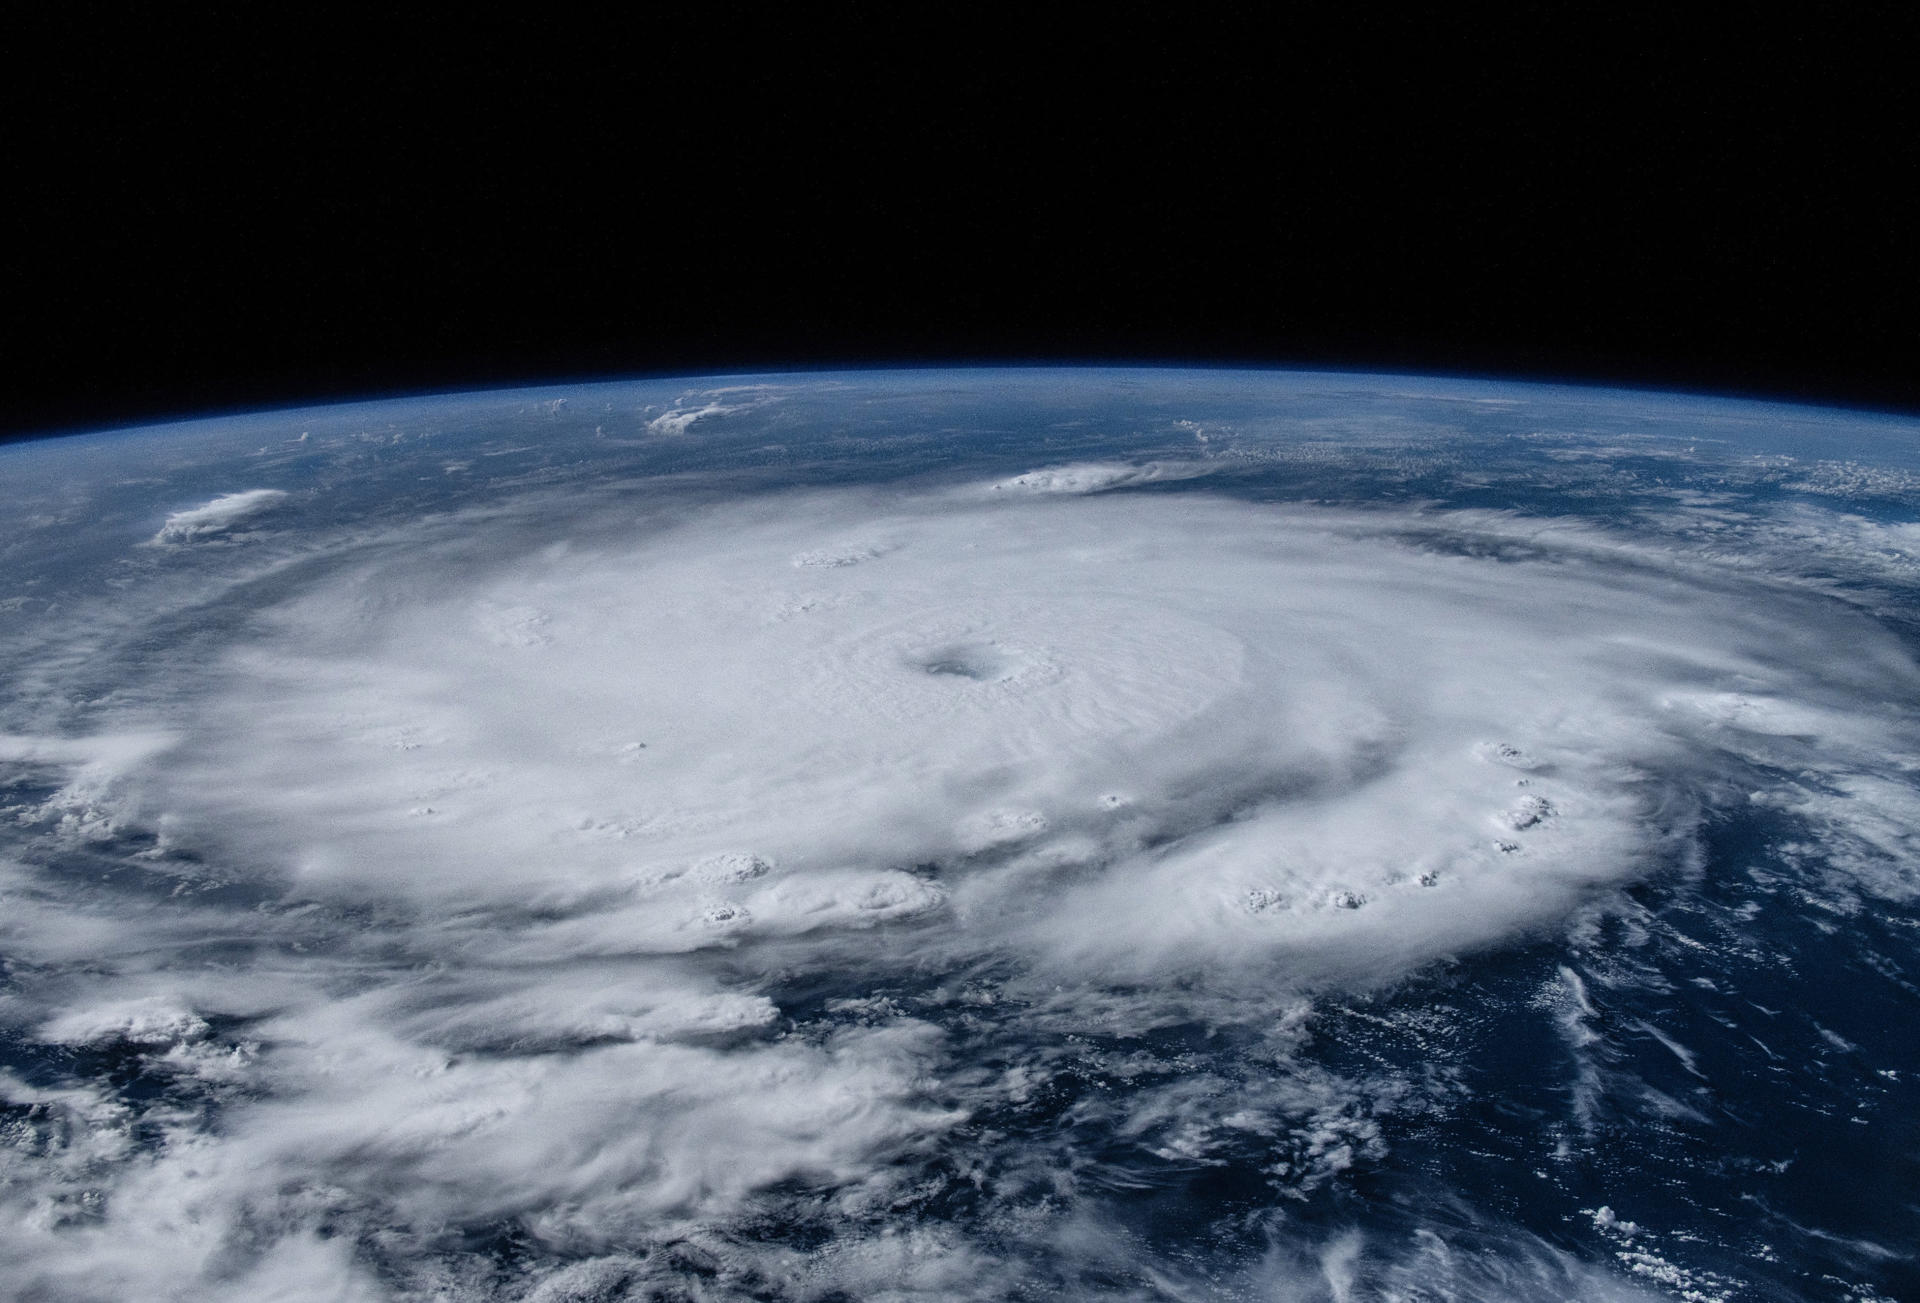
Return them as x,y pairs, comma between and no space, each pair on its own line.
222,516
1096,477
680,419
150,1021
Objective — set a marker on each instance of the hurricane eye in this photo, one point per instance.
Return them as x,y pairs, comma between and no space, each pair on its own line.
981,662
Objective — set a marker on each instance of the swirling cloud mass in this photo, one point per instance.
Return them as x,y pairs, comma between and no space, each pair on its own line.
841,891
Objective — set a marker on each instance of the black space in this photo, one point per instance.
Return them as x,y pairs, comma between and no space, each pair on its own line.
245,208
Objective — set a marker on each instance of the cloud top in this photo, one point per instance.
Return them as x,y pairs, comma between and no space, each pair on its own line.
220,517
1095,477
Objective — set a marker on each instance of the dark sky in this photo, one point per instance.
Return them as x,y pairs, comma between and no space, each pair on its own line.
245,211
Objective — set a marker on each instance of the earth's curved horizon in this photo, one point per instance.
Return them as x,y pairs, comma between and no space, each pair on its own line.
972,833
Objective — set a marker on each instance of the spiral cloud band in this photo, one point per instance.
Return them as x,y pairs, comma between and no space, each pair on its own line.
1131,734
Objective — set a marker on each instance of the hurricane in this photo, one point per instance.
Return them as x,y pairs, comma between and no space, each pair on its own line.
964,835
